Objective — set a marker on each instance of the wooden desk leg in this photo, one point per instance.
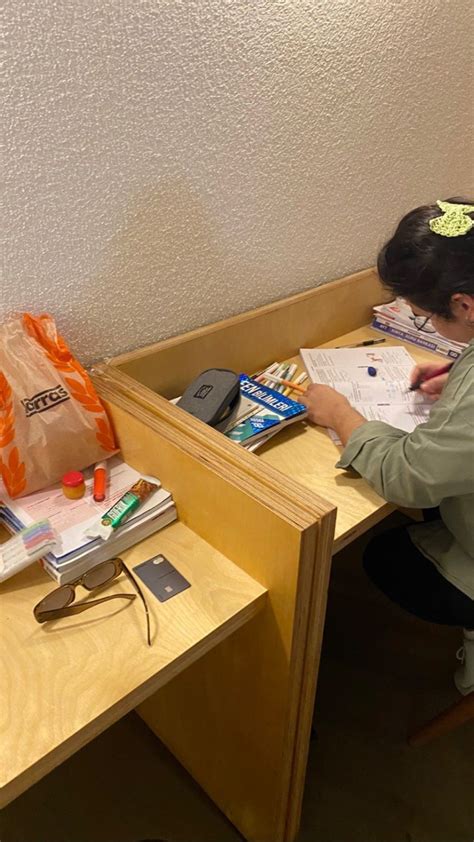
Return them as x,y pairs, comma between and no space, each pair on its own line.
453,717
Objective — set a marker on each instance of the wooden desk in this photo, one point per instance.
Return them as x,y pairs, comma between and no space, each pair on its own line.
309,456
239,718
267,733
65,682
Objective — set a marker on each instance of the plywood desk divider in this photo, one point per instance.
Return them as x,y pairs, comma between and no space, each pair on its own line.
240,718
240,722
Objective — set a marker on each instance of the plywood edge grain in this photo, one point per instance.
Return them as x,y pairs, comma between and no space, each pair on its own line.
319,586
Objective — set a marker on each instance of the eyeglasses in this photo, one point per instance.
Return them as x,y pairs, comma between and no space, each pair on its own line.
58,603
423,324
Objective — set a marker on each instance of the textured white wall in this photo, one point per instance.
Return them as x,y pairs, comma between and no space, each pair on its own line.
177,161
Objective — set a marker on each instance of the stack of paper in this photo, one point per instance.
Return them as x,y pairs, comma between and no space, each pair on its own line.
397,319
75,552
385,397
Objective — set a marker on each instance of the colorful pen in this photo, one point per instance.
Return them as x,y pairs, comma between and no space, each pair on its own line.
260,377
424,377
289,376
292,384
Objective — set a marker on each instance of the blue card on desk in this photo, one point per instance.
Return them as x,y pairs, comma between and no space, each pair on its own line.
161,578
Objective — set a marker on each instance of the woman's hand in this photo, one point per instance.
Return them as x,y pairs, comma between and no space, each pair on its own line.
432,388
324,404
328,408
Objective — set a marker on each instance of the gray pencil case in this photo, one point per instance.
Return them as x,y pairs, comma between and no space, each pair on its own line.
212,395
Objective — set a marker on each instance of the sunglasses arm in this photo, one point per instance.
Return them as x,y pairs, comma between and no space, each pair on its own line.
44,616
140,594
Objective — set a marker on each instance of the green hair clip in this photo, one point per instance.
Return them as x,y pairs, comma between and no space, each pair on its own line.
454,222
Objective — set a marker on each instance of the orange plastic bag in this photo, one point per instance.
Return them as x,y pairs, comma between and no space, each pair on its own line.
51,419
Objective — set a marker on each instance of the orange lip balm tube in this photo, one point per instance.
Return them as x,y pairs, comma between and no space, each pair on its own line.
100,482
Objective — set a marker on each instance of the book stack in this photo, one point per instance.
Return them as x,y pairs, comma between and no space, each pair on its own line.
262,412
75,552
397,319
263,408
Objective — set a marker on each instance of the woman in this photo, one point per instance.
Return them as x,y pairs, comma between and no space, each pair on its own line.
427,568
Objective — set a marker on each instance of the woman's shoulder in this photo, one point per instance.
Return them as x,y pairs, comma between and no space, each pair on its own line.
460,385
458,394
464,362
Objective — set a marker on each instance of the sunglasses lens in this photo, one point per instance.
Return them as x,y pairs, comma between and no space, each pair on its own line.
99,575
60,598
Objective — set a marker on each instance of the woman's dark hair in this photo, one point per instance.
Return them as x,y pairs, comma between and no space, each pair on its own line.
425,267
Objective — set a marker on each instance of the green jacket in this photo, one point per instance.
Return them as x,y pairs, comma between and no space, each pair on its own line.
432,466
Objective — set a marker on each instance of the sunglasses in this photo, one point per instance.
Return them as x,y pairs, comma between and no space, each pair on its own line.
58,603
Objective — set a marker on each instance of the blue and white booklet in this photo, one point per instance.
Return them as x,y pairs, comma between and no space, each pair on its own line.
261,412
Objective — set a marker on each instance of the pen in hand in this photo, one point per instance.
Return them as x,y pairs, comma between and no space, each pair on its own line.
424,377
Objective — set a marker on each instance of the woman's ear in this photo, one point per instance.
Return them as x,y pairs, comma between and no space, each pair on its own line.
462,307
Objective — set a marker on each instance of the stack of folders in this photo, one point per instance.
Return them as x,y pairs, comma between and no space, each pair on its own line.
74,552
397,319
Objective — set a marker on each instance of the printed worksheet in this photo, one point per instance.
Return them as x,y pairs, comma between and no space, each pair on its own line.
322,357
404,418
335,365
360,374
380,396
375,392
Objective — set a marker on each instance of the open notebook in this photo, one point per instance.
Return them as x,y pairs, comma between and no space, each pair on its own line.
385,397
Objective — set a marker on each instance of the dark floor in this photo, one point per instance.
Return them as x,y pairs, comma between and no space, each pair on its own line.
382,672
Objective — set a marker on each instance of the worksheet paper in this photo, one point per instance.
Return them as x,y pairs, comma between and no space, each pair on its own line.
376,392
385,397
330,365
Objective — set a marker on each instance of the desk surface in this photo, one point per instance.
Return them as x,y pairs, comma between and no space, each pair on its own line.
65,682
307,454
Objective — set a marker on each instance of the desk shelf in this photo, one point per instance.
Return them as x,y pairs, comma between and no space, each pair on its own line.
67,681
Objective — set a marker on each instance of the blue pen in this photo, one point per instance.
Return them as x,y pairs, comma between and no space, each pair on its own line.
371,371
